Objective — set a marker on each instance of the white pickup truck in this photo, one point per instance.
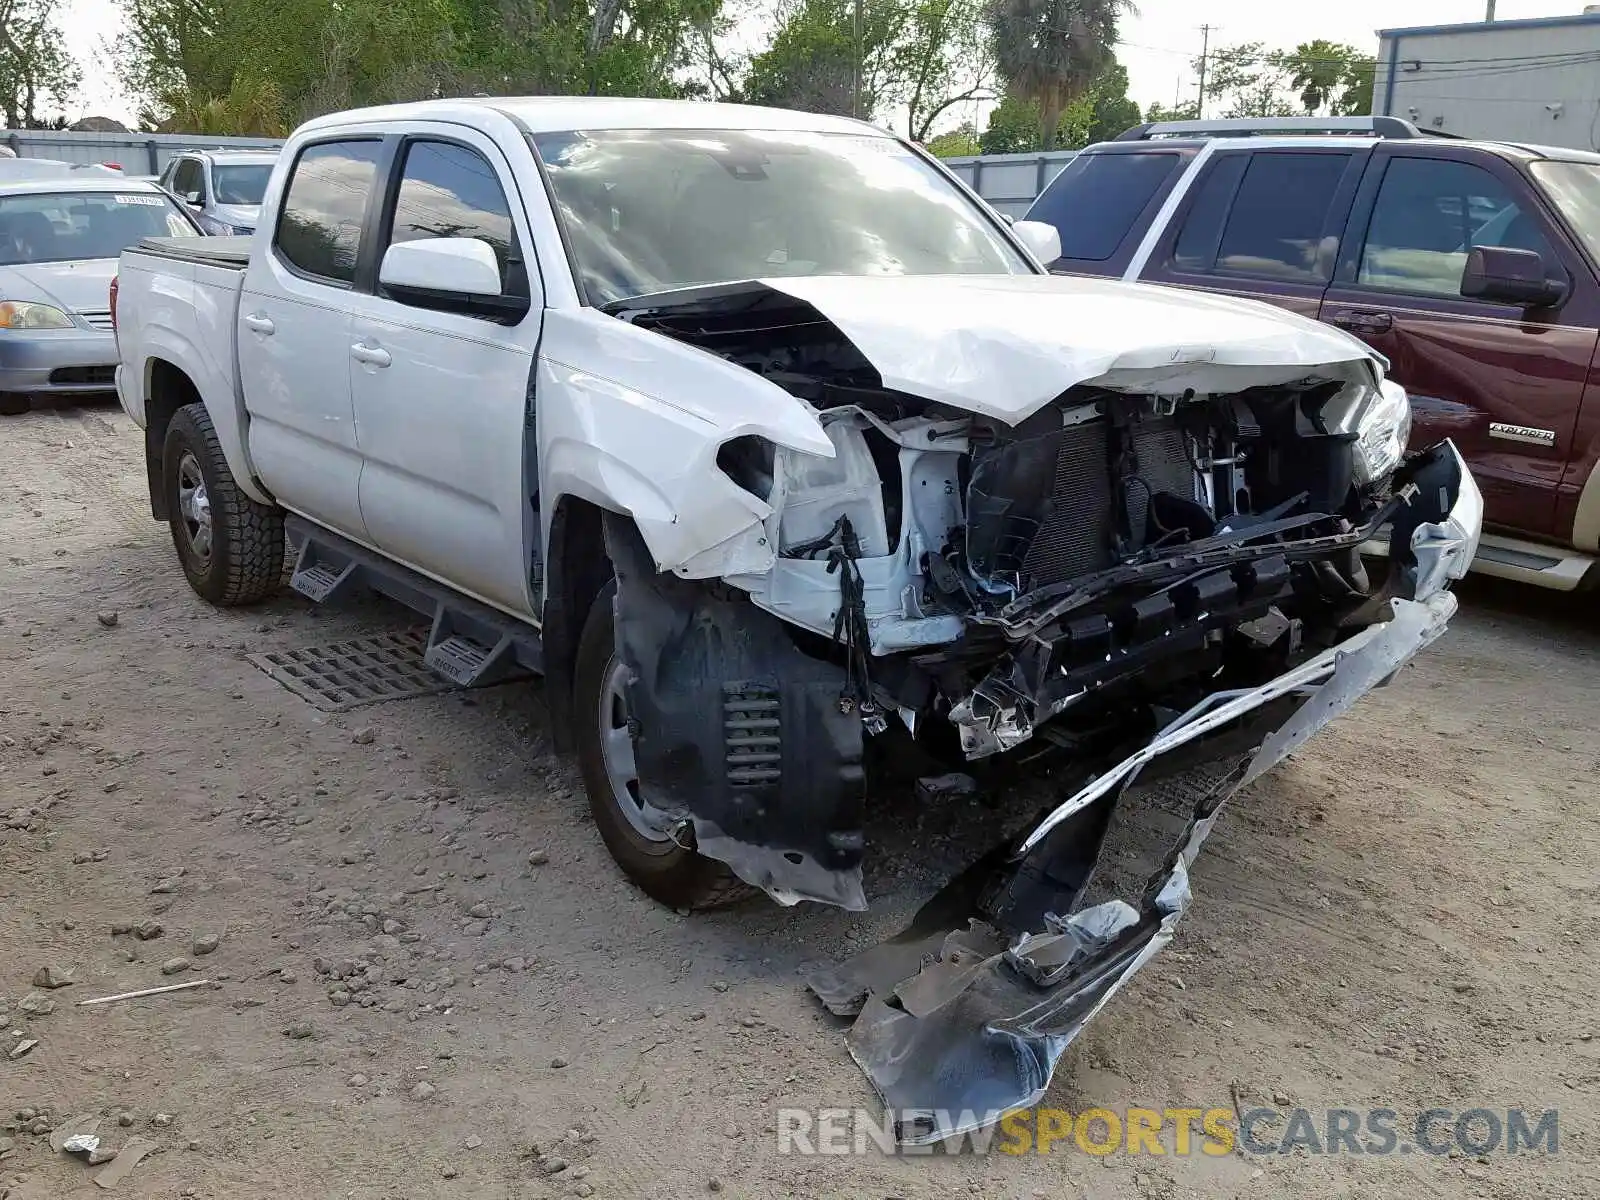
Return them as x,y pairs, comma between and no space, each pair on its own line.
781,458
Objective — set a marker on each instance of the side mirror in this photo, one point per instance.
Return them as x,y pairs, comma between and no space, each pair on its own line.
1505,275
192,199
1042,240
448,274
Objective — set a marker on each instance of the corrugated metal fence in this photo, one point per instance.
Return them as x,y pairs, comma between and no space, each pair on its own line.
136,153
1010,182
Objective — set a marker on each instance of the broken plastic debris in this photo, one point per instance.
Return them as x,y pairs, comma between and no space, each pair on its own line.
81,1143
120,1167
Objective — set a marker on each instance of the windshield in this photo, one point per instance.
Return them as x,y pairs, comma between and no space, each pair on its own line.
65,226
241,183
1574,187
653,210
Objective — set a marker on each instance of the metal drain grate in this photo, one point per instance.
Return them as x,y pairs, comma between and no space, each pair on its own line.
365,670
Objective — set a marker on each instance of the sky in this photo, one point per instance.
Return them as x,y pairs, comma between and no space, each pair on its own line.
1158,45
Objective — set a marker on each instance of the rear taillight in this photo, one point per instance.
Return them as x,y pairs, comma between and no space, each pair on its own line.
113,294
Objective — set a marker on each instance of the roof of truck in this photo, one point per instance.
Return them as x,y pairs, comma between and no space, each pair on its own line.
547,114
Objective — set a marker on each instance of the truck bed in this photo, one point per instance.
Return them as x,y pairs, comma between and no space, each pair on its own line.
209,251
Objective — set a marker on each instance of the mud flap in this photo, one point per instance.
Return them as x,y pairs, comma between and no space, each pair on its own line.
738,733
960,1021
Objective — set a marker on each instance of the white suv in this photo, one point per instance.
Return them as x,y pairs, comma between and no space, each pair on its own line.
223,188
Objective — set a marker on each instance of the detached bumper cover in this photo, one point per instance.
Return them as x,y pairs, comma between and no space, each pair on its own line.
960,1020
956,1026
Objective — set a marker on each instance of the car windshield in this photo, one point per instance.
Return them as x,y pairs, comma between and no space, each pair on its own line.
652,210
241,183
1574,187
42,227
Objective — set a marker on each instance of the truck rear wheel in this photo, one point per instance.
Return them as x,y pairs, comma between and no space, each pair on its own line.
668,869
230,546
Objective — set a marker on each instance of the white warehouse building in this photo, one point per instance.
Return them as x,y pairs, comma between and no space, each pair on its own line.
1520,81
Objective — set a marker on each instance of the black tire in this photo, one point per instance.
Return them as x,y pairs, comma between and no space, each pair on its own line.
675,875
14,404
246,547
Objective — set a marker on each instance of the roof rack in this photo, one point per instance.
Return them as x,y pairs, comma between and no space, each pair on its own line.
1384,127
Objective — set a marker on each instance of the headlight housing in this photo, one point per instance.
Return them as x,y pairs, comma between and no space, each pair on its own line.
1382,434
24,314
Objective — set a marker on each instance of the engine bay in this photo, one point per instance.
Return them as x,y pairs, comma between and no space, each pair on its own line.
1117,551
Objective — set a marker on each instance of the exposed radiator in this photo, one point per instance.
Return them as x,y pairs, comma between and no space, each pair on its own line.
1076,536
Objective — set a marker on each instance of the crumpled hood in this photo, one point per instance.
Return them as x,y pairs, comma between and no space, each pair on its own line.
1005,346
75,286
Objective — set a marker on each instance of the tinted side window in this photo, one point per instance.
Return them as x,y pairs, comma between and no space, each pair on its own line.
447,190
1430,212
1274,225
319,229
188,178
1201,232
1096,199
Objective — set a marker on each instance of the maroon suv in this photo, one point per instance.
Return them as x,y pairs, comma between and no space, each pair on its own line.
1474,267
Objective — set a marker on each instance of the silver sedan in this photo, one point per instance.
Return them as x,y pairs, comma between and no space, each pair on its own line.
59,242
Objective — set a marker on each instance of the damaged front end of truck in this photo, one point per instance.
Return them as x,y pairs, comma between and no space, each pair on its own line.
1099,530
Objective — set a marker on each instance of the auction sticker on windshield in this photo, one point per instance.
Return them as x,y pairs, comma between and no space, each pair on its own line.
152,201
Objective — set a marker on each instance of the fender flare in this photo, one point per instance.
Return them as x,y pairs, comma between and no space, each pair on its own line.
216,392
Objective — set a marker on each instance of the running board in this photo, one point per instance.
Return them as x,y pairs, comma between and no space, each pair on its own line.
470,643
1553,567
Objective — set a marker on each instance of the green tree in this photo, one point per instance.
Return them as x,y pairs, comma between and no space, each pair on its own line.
812,60
185,59
956,143
1013,127
1330,78
942,60
1248,81
35,67
1187,111
1110,111
1053,51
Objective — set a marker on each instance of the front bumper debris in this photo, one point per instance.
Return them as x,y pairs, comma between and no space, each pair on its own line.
959,1022
1061,653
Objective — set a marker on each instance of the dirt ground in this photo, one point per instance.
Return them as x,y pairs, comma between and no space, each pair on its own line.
1400,916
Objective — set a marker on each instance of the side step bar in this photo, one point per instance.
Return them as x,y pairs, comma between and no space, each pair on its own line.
1554,567
470,644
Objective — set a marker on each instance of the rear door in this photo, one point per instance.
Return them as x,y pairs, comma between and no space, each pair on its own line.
1504,382
1261,223
294,333
441,399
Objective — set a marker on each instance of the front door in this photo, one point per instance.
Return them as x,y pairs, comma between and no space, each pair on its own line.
442,400
1503,382
294,335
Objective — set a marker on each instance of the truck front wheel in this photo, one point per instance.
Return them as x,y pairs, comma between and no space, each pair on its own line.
664,865
230,546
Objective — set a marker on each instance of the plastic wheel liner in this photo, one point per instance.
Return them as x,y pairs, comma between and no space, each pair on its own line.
963,1016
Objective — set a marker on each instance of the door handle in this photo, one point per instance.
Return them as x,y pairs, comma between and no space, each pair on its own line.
1364,321
371,355
259,323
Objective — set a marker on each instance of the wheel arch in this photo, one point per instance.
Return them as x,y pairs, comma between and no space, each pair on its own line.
170,380
578,571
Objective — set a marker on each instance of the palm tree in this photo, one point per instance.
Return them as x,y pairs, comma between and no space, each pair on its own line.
1050,52
1317,72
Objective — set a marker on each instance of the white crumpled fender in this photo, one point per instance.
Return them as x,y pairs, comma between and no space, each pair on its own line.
1005,346
632,421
